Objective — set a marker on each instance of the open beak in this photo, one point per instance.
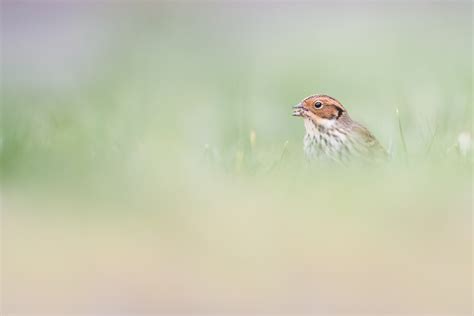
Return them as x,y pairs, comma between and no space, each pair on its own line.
298,110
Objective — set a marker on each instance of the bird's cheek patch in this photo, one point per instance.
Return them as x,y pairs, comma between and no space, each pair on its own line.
327,114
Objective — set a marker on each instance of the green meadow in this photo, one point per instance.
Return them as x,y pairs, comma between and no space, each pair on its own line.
150,163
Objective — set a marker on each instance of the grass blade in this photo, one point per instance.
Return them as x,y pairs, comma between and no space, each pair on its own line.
402,136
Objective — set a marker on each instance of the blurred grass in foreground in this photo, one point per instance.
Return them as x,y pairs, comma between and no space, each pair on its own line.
166,173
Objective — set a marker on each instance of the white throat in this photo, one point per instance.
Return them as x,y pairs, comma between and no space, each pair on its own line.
312,127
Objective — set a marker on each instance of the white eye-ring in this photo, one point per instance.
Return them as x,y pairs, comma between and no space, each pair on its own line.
318,105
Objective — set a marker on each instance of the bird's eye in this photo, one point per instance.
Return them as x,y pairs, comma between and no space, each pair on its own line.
318,105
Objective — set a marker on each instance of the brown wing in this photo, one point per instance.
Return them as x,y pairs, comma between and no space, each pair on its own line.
368,144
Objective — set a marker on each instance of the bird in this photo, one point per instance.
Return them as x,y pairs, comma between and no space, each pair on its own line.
332,135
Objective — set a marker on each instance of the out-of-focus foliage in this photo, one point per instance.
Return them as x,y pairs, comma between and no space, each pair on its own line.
174,122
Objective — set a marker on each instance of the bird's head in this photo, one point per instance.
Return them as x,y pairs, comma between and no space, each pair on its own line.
322,109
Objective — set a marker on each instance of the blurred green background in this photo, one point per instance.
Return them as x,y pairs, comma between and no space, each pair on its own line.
150,162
